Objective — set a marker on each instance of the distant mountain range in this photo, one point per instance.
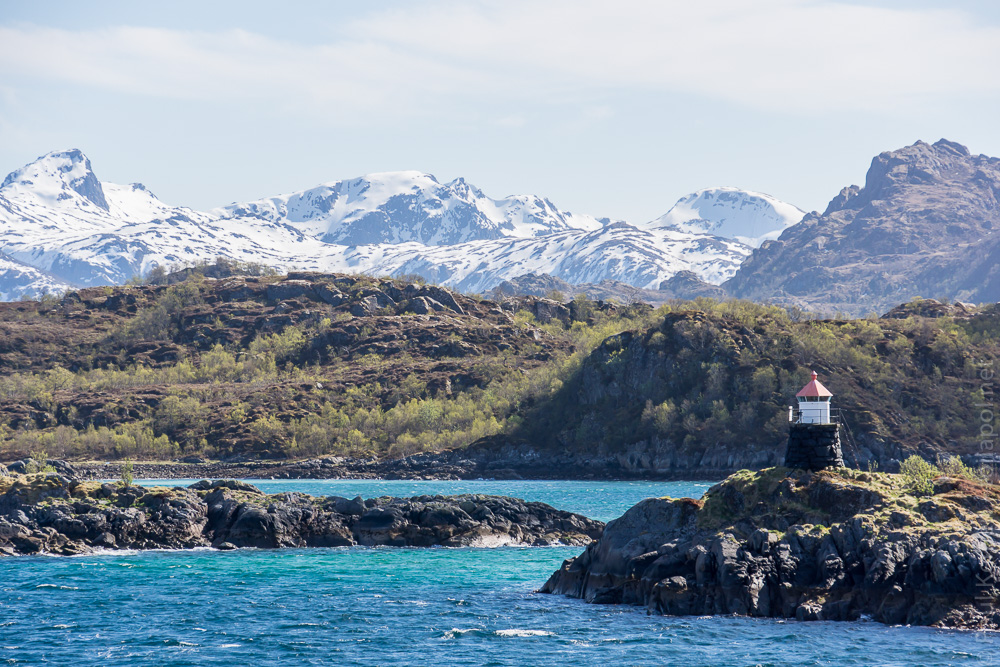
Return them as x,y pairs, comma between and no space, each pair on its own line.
926,223
61,227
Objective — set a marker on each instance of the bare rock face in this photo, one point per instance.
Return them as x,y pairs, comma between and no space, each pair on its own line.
831,545
687,285
51,513
931,308
926,223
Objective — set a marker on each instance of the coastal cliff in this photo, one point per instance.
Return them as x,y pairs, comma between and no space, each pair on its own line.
831,545
51,513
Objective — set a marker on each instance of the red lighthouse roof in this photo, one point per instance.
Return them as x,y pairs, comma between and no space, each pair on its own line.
814,388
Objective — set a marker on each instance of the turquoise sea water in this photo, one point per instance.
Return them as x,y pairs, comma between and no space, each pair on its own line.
384,606
598,500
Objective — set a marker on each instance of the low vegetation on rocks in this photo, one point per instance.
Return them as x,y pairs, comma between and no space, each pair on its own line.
281,366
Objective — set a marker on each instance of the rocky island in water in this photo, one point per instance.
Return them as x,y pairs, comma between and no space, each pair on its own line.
834,544
51,513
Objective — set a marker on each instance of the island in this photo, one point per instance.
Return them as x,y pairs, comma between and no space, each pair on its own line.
51,513
832,544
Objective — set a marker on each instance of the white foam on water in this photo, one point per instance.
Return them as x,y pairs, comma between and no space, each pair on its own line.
515,632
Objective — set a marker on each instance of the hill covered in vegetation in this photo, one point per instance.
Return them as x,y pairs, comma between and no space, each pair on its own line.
274,367
306,365
708,385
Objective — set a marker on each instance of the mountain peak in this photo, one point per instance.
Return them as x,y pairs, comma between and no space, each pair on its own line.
54,174
918,165
743,215
925,222
952,146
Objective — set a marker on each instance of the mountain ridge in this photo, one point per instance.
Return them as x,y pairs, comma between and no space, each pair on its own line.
926,223
59,218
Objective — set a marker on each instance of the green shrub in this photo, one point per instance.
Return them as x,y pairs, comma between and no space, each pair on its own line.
918,475
953,466
38,462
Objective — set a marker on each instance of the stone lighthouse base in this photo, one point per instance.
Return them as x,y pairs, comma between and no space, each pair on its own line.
814,447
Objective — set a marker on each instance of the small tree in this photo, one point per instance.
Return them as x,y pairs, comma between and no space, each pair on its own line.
127,477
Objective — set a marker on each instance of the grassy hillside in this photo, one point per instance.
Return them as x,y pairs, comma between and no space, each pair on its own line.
313,364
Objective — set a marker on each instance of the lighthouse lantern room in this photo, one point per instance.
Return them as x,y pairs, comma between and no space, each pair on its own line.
814,403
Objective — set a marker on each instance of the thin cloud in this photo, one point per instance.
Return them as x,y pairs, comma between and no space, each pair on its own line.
800,56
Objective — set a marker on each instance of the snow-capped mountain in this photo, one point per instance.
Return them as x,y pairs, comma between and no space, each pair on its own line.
748,217
61,226
404,206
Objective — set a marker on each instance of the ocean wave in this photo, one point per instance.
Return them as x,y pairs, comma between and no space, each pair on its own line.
515,632
455,633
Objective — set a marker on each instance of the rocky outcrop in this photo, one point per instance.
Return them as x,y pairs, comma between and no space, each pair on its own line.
683,285
51,513
931,308
687,285
830,545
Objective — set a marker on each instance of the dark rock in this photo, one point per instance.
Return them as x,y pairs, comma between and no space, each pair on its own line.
38,514
546,310
234,484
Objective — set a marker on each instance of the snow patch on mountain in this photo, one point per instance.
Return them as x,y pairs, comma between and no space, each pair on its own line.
19,280
613,252
748,217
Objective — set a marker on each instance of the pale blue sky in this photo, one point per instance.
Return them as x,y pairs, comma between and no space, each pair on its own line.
612,109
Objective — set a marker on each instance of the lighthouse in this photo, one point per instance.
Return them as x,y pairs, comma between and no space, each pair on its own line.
813,436
814,402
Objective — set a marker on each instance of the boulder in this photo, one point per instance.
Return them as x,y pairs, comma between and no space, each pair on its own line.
423,305
438,294
290,289
371,303
327,293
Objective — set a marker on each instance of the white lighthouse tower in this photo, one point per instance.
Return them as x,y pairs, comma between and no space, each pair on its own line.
814,403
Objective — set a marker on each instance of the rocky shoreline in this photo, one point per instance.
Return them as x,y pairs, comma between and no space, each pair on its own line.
55,514
831,545
449,465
